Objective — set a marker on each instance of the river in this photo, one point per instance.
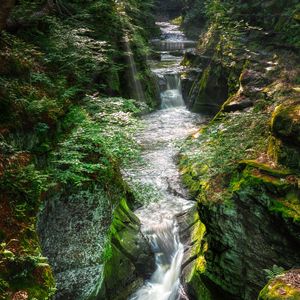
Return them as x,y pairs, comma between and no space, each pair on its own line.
162,131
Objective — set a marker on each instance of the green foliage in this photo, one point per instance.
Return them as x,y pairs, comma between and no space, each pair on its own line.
223,144
273,272
77,54
28,93
90,152
71,141
278,16
82,156
24,185
64,55
193,16
209,160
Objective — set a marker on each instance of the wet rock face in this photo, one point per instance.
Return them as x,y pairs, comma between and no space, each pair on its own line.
210,92
131,260
72,232
205,86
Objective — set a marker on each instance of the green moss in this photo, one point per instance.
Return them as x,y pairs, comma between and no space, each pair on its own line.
199,248
265,168
209,159
204,79
273,187
177,21
279,290
119,256
288,207
284,153
285,122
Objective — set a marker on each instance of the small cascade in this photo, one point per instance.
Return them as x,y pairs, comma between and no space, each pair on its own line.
164,283
171,47
172,96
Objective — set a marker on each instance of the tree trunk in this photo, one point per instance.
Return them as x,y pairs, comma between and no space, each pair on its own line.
5,9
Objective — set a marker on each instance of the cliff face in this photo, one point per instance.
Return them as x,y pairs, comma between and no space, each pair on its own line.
243,167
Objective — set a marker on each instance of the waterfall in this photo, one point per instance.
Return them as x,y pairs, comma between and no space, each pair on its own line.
172,96
164,283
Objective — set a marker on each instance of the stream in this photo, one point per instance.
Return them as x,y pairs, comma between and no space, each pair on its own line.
163,130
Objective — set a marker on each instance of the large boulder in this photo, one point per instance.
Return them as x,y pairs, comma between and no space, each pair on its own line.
285,141
95,253
286,123
130,259
254,229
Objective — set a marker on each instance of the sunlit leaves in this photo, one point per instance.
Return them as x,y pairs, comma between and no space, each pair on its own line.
102,137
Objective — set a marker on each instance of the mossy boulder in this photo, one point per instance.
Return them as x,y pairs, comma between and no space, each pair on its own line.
285,140
128,258
210,92
255,227
285,123
192,232
252,82
285,286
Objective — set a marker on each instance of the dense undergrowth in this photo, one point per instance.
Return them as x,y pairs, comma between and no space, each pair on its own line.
256,78
279,19
213,154
63,73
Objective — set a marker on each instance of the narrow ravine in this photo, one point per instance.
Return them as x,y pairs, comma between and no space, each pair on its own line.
163,130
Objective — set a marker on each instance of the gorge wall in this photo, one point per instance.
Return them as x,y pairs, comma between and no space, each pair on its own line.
67,72
243,167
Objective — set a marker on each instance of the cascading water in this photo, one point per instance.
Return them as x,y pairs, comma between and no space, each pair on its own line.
164,283
171,47
172,96
162,130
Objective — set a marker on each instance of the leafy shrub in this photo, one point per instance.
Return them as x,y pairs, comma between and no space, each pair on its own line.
274,272
93,148
24,185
